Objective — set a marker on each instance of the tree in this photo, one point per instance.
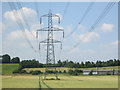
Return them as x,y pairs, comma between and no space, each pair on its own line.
82,64
6,58
91,72
59,63
30,64
71,72
15,60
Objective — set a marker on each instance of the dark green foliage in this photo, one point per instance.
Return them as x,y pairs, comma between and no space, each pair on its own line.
6,58
78,72
88,64
23,72
50,71
31,72
64,71
60,71
91,72
75,72
15,60
30,64
36,72
15,71
71,72
19,72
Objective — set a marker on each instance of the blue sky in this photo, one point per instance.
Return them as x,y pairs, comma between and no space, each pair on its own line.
101,44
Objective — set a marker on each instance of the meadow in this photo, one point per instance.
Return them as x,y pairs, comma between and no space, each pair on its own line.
10,80
66,81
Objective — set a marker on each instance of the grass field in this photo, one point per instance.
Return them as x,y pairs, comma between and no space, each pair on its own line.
9,68
65,68
65,81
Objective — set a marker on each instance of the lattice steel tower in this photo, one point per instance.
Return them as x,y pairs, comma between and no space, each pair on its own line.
50,57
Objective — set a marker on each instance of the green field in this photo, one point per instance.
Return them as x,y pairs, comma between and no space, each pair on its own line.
9,68
65,81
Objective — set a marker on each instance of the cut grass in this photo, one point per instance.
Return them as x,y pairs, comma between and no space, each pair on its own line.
64,82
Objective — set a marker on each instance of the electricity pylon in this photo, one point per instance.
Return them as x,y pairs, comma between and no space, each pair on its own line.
50,57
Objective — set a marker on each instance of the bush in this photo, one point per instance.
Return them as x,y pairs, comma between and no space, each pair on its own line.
75,72
19,72
71,72
37,72
15,71
60,71
30,72
64,71
23,72
78,72
91,72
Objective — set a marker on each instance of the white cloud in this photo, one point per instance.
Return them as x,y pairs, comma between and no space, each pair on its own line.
22,14
20,35
55,19
81,27
87,37
107,27
2,27
115,43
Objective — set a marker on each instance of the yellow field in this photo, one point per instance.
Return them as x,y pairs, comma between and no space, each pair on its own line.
65,68
65,81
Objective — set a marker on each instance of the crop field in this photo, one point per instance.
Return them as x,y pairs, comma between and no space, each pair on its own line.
65,68
9,68
10,80
66,81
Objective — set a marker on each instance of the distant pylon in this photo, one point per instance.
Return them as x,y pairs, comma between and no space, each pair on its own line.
50,57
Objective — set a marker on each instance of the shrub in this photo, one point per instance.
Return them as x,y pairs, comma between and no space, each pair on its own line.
23,72
60,71
15,71
75,72
30,72
64,71
19,71
91,72
71,72
36,72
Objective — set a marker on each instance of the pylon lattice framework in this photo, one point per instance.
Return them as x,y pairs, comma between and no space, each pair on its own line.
50,57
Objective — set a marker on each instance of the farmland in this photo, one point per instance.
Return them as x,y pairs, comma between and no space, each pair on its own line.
65,81
9,68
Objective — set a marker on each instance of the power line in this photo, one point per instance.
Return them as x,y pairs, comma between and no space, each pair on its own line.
16,15
36,7
102,15
24,18
81,20
65,10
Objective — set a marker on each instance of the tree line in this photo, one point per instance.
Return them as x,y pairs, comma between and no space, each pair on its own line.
88,64
70,64
7,59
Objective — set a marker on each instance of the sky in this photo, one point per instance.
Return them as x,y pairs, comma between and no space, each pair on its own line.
100,44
